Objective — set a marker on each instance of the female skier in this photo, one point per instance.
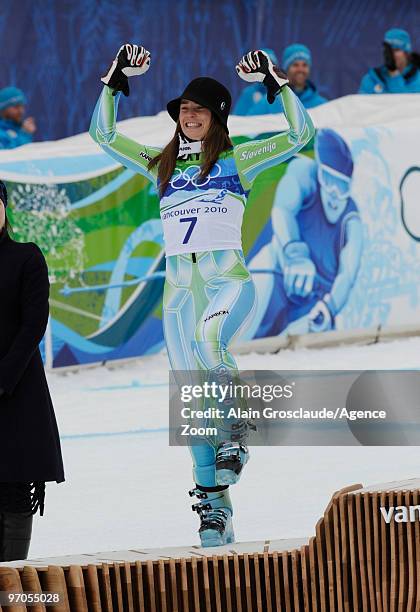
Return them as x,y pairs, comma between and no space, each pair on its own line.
203,182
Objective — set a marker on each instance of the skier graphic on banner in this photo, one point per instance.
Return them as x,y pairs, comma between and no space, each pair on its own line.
315,250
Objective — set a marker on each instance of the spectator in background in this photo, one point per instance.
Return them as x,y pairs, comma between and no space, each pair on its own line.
400,72
296,62
255,93
15,130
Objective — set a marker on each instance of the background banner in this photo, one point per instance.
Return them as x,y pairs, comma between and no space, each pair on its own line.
184,38
332,237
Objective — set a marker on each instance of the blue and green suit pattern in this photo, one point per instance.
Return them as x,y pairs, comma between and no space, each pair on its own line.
209,295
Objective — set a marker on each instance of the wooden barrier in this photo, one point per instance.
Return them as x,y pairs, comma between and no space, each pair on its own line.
365,555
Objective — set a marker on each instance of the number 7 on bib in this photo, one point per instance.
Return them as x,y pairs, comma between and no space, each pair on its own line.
192,221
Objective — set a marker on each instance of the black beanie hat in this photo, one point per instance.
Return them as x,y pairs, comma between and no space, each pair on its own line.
209,93
3,193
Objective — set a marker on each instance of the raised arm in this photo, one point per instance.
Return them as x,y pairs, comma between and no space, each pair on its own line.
254,157
103,130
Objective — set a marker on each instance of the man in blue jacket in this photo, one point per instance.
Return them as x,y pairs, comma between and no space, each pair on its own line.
15,130
400,72
296,62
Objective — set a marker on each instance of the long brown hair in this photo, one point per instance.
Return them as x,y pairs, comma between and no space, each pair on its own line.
7,226
215,142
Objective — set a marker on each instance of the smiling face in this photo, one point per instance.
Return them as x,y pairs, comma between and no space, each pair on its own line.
298,74
195,120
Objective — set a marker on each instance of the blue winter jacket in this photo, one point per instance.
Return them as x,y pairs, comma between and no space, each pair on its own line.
12,135
378,80
253,100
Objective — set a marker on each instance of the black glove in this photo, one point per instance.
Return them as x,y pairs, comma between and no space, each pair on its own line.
256,66
389,60
131,60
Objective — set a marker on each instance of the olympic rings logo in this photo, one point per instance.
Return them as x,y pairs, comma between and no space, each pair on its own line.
182,178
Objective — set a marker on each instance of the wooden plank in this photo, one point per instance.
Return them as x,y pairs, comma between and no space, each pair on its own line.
385,551
330,555
184,586
367,519
93,593
76,589
360,537
288,587
376,549
411,556
139,586
393,591
354,557
338,559
321,560
402,568
215,562
257,579
296,579
30,582
206,583
306,577
277,592
105,588
345,554
54,581
196,590
11,583
151,586
228,590
127,587
267,578
174,584
416,501
248,591
238,591
117,590
314,573
162,586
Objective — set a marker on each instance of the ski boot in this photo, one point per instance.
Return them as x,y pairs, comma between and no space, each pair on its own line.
231,457
232,452
215,512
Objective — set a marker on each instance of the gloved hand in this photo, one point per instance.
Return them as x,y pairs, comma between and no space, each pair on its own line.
256,66
131,60
389,60
320,317
299,269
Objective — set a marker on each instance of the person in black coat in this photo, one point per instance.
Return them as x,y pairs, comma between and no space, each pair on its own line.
30,453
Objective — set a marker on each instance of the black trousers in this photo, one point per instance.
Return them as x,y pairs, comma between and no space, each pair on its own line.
19,501
15,535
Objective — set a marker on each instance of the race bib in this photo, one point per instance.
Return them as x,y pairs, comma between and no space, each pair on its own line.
196,219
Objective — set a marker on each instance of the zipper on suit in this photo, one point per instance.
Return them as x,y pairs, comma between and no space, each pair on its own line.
194,258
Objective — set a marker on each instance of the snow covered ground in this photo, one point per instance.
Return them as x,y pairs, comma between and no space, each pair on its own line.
126,488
